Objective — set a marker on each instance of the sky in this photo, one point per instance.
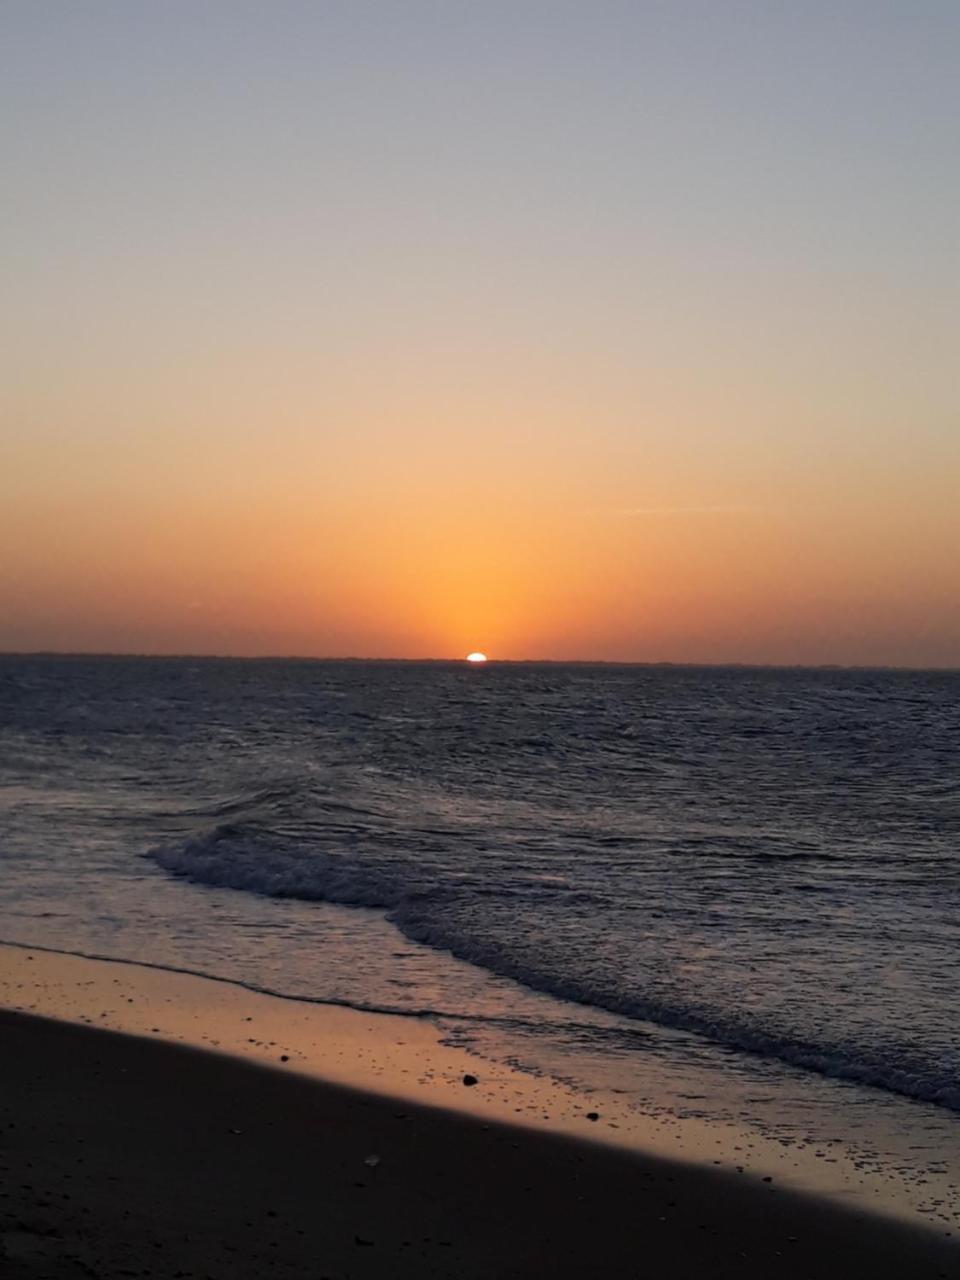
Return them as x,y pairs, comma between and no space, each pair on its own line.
596,330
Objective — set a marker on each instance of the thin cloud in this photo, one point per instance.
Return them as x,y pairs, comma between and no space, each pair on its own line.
685,511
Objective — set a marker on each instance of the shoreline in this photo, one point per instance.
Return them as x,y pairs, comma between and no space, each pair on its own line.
126,1155
413,1058
208,1108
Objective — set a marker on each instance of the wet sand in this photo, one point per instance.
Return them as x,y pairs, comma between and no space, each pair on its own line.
124,1156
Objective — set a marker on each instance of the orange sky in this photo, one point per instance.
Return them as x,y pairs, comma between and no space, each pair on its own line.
629,339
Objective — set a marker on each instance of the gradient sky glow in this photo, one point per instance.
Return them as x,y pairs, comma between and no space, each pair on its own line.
597,329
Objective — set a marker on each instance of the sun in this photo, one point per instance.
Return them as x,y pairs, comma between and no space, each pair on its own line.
476,657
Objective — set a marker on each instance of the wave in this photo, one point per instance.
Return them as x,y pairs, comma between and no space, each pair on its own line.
921,1081
230,857
424,906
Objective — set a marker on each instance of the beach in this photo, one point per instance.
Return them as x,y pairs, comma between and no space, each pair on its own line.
130,1154
126,1157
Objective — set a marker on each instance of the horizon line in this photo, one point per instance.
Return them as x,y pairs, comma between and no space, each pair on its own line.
146,655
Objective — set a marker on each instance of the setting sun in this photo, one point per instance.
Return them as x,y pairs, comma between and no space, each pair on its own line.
476,657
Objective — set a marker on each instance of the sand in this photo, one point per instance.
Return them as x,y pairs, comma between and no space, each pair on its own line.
121,1155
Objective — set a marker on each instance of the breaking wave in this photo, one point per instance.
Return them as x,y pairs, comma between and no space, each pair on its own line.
448,913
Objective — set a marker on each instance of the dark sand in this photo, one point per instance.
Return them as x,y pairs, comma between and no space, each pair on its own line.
121,1156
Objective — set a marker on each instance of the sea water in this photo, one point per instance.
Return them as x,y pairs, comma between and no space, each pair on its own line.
719,891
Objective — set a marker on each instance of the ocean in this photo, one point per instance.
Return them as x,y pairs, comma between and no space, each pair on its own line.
739,885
